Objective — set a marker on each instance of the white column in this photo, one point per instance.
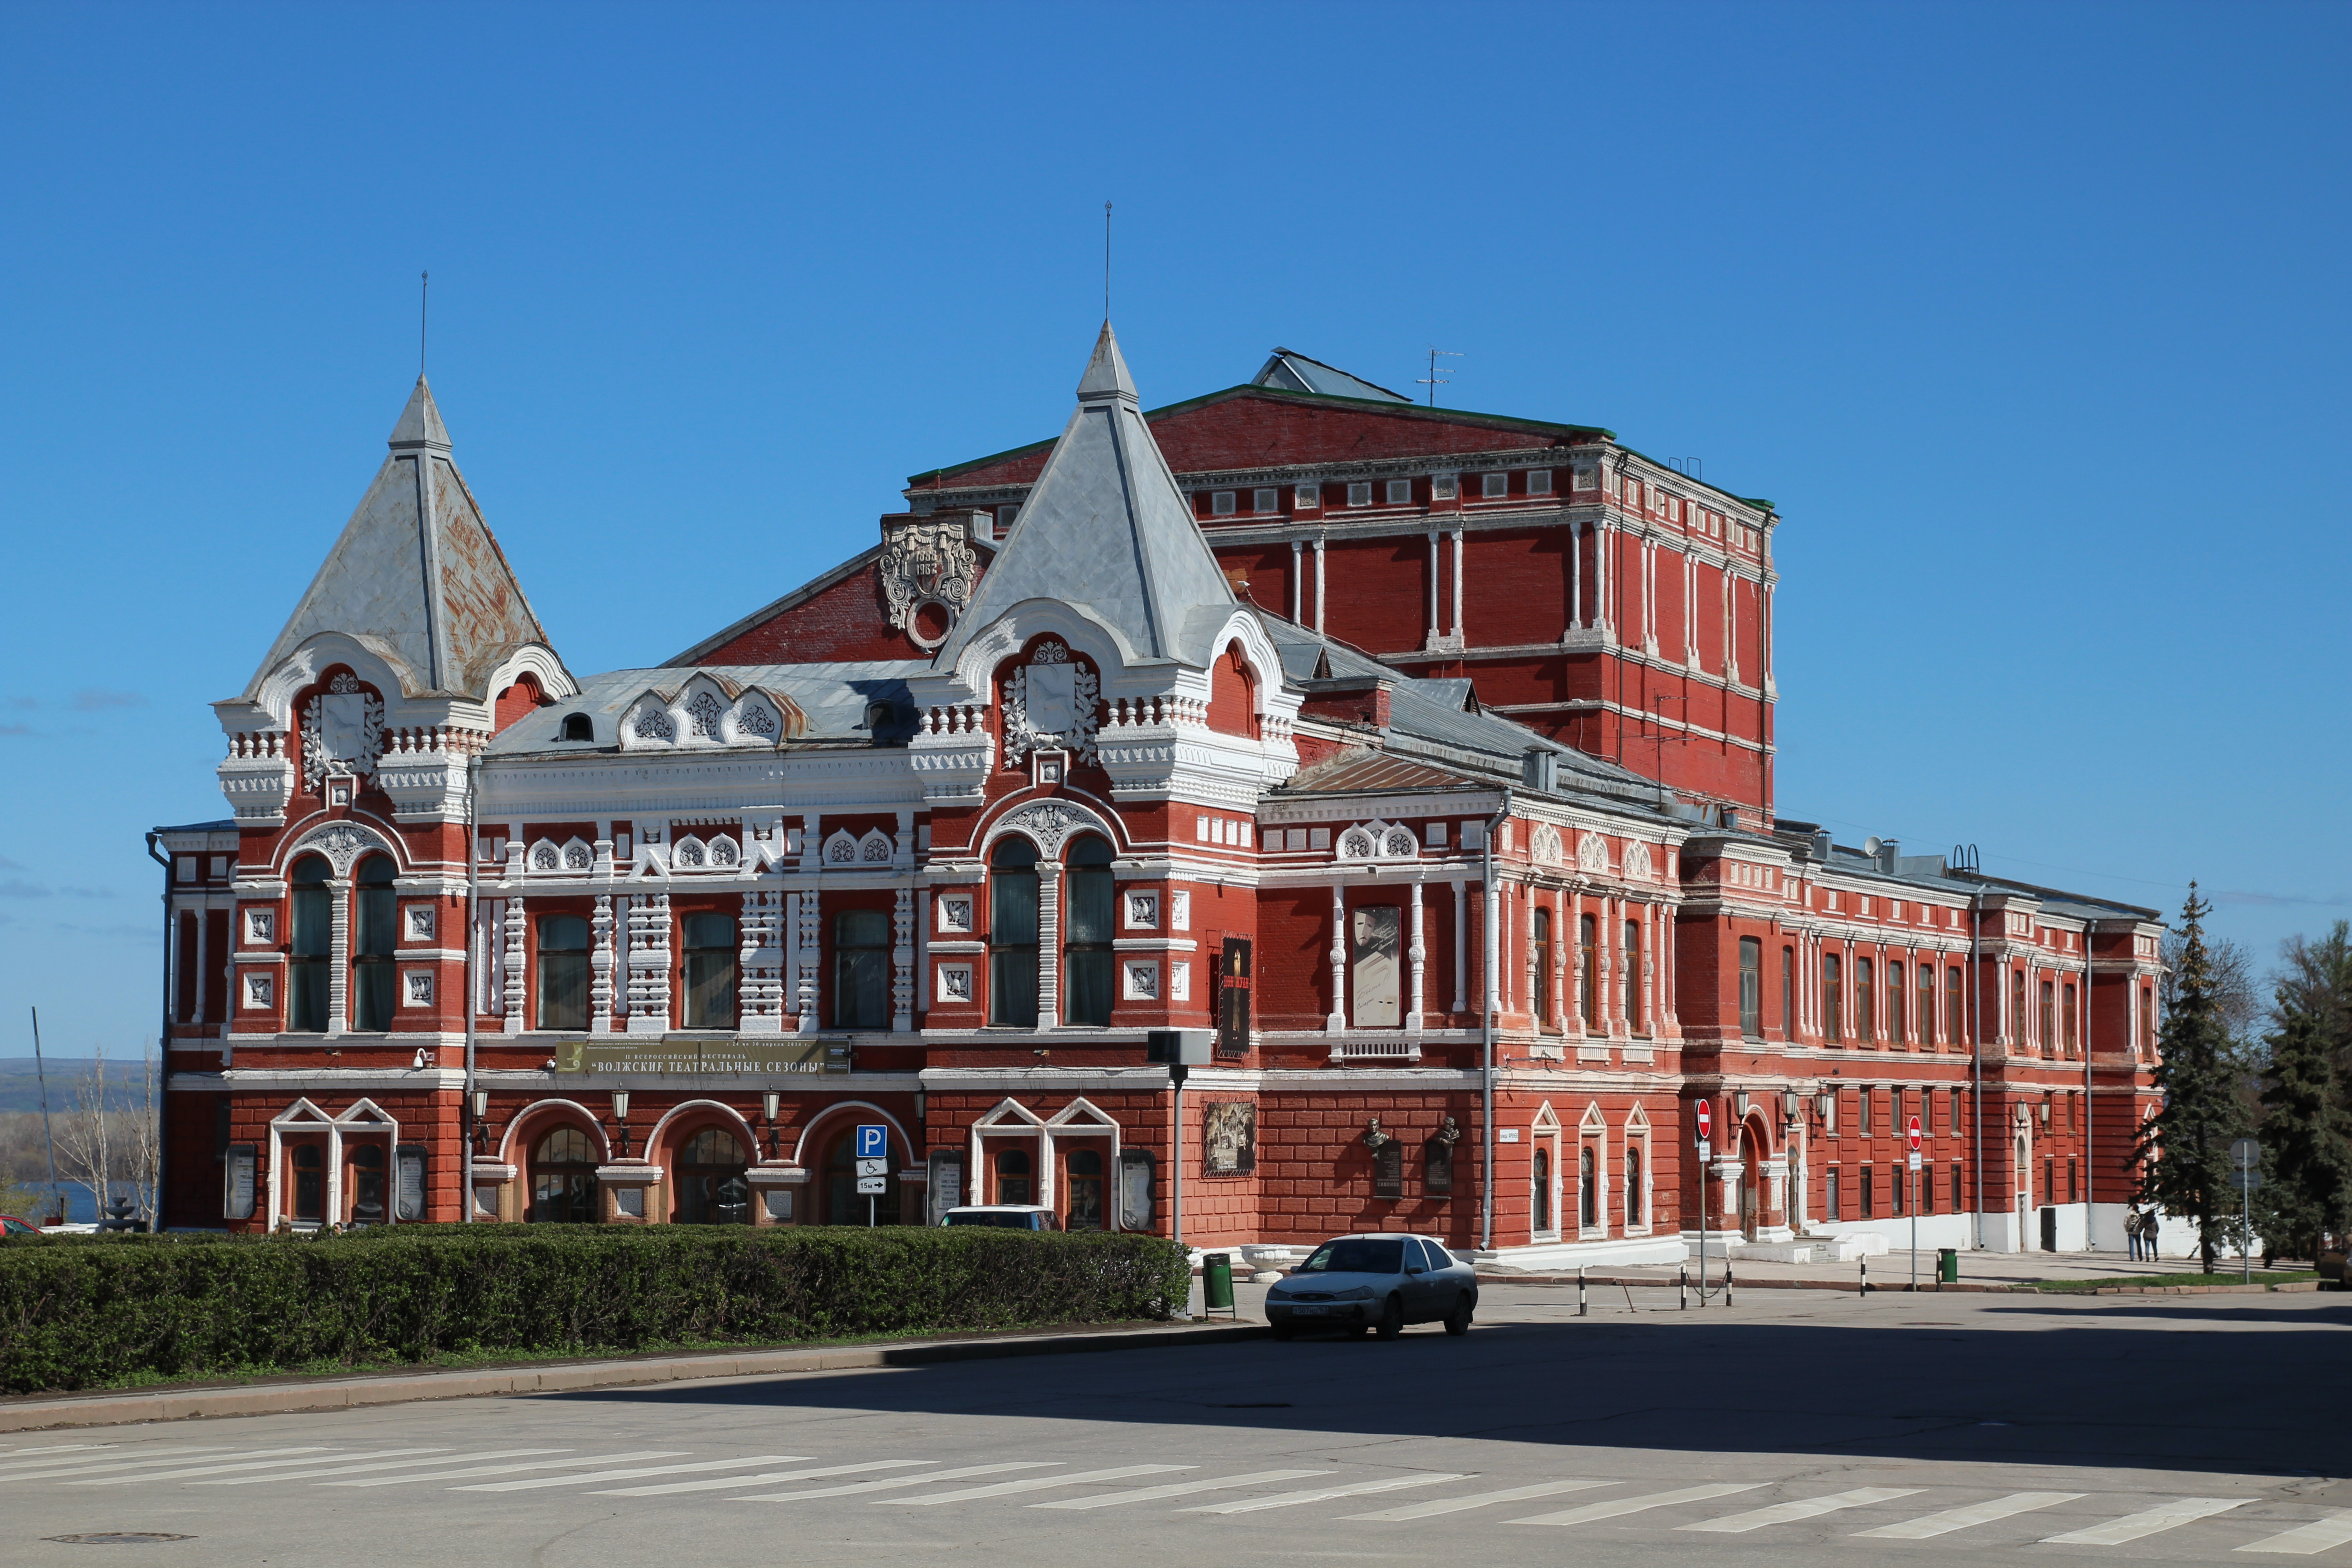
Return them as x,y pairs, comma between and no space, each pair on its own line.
1318,582
517,935
1419,953
1430,638
600,968
1461,947
1575,575
1456,627
1297,557
902,961
1337,1019
338,950
1049,944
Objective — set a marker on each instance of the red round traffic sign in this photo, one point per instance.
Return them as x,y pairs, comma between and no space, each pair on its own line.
1914,1130
1705,1120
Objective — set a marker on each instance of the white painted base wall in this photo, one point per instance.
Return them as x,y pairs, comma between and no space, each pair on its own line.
1561,1258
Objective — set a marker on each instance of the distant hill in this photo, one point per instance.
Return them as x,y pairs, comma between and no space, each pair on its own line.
20,1089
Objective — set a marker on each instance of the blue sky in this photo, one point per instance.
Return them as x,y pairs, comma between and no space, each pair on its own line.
2031,319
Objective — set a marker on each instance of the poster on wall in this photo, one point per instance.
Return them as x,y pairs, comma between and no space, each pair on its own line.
1135,1177
409,1200
946,1185
1229,1137
236,1190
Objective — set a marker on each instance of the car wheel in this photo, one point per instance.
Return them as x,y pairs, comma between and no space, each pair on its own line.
1391,1322
1457,1321
1282,1331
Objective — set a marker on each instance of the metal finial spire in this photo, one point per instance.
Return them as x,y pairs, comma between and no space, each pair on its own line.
423,298
1106,261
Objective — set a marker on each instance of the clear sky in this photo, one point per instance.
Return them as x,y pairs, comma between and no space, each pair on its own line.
2031,319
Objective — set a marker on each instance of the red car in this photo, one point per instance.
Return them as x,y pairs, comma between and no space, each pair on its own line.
10,1225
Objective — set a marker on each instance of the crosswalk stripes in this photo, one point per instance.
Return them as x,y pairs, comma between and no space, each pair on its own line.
1617,1508
1801,1507
1029,1484
858,1488
1927,1526
1477,1500
122,1460
471,1472
52,1448
433,1456
2334,1530
308,1456
1320,1494
668,1488
536,1482
1182,1489
2147,1521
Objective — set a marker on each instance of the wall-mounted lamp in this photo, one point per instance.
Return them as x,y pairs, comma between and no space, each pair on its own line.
1739,1103
1789,1106
2045,1113
769,1102
920,1101
481,1103
620,1105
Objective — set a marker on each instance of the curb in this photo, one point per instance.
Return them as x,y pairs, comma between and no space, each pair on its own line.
356,1393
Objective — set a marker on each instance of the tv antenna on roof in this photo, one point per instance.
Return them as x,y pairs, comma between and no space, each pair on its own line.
1433,380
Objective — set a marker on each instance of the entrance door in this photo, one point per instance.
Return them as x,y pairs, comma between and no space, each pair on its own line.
1752,1185
1082,1189
2024,1182
711,1188
563,1178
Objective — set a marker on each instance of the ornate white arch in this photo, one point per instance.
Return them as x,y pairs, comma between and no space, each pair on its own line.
826,1113
750,1138
531,1113
342,842
1050,824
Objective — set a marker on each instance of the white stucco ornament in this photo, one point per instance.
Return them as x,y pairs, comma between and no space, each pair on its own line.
343,730
928,561
1050,703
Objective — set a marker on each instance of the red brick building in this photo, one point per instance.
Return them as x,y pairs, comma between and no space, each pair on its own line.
1425,757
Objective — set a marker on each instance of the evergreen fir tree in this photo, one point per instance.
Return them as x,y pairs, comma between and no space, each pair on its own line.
2183,1153
2306,1128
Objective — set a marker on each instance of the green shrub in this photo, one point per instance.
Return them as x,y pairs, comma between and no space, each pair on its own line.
83,1312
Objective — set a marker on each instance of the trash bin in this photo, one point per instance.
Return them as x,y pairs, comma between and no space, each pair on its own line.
1947,1264
1217,1282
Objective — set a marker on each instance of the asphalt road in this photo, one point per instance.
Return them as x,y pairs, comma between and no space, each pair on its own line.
1797,1427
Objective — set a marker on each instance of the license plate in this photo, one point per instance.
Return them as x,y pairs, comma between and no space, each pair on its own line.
1306,1311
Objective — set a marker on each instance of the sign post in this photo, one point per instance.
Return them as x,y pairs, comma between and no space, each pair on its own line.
873,1153
1912,1131
1180,1051
1705,1129
2245,1158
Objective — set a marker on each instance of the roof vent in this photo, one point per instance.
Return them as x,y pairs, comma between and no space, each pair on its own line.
1822,845
1540,769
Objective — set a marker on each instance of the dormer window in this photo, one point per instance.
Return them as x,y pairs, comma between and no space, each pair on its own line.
1361,493
1400,492
578,727
1268,499
1221,503
1493,485
1539,482
1306,498
877,716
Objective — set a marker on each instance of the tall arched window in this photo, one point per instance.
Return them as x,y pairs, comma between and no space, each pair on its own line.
861,970
563,972
1894,1035
375,909
1788,993
709,972
563,1178
1082,1183
1014,1183
1955,1013
312,944
1086,932
1751,987
1588,1187
1588,972
1925,973
1833,1000
367,1183
1866,1012
1541,928
309,1182
1633,1187
709,1177
1633,976
1542,1190
1013,934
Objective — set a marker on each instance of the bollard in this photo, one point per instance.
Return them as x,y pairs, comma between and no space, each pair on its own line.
1727,1285
1682,1288
1581,1310
1865,1276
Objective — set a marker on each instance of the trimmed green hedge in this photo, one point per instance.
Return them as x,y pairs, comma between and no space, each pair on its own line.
87,1312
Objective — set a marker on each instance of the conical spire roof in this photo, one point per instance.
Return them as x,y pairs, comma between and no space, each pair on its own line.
1107,528
416,575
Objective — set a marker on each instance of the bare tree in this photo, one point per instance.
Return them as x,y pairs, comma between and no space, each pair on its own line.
147,1144
85,1138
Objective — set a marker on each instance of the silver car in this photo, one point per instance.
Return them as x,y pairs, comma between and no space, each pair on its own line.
1380,1281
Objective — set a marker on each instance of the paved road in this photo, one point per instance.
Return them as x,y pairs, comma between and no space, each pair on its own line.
1795,1428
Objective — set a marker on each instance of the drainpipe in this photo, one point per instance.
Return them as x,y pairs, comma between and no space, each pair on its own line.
2090,1108
162,1045
1975,974
473,981
1487,1033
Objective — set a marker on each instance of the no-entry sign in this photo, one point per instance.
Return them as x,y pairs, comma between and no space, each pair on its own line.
1705,1121
1913,1131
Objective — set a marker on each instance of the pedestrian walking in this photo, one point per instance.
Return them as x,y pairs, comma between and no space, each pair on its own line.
2150,1229
2131,1232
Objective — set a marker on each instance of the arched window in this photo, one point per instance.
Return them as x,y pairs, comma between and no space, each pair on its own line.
309,1182
1926,975
709,1177
563,972
861,970
1013,1184
1895,1034
310,948
579,727
1540,929
367,1183
1633,976
375,909
844,1205
1788,993
1542,1193
1087,931
1588,1188
1233,694
1588,972
709,972
1013,934
1955,1013
1751,987
2017,1007
2074,1018
1865,1013
1082,1179
563,1178
1833,1000
1633,1187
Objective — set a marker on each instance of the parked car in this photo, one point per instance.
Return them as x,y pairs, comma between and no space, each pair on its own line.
1003,1217
10,1225
1381,1282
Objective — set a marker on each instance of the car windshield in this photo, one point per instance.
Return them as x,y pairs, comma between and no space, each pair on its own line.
1000,1221
1357,1255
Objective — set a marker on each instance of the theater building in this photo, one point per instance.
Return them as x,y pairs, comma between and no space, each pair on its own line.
1423,757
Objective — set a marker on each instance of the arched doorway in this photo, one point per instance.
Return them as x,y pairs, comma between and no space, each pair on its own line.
563,1178
843,1203
708,1176
1082,1189
1755,1147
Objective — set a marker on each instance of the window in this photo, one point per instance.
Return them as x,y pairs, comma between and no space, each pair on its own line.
1953,1112
310,1183
1444,486
709,972
1013,934
1013,1177
563,972
1955,1014
1268,499
1751,987
1539,482
375,909
709,1171
1539,928
1400,492
1221,503
1082,1190
1894,1004
1633,1220
579,727
861,970
1588,1188
1959,1199
1588,972
2049,1035
1869,1197
2073,1034
1830,1197
1006,516
1866,1125
563,1178
1866,1012
2070,1177
1788,993
311,948
1833,1000
2017,1006
367,1183
1306,498
1087,896
1361,493
1894,1177
1541,1192
1926,974
1492,485
1375,931
1633,957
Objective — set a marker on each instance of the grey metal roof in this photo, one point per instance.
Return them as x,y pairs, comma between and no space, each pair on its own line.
835,697
415,574
1294,372
1107,528
1847,861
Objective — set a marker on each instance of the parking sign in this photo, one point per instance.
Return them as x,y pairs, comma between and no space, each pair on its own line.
873,1142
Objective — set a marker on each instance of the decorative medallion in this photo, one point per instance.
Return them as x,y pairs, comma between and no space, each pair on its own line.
343,730
1050,822
1050,702
929,562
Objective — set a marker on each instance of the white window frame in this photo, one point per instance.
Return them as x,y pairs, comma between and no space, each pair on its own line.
1494,486
1222,503
1396,499
1538,481
1306,498
1359,492
1265,498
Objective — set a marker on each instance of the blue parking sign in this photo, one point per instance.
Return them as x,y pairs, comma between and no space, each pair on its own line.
872,1143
